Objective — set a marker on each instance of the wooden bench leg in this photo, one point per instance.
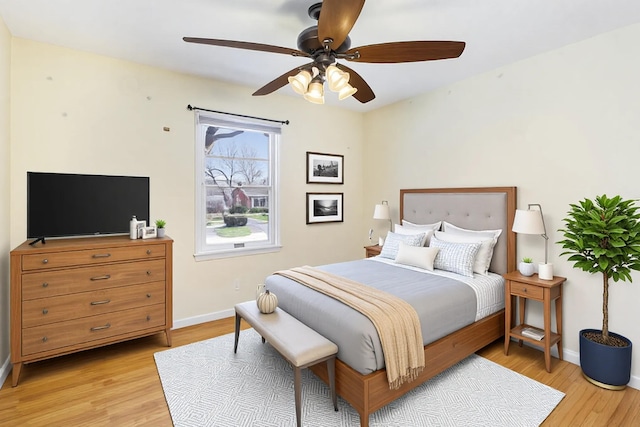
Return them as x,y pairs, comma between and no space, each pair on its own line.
297,380
238,319
331,369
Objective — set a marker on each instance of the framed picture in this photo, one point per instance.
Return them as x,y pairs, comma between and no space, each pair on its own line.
324,207
324,168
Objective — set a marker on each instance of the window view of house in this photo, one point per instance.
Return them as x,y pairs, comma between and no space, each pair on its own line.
236,162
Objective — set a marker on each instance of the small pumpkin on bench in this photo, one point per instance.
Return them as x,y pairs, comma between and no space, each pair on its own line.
267,301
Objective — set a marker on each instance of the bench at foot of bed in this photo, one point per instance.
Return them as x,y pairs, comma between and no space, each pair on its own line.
300,345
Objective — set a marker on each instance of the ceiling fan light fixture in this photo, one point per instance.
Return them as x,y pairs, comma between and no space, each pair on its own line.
315,93
346,92
300,82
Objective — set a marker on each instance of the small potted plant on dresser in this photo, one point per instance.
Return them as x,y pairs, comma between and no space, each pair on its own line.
526,267
160,224
603,236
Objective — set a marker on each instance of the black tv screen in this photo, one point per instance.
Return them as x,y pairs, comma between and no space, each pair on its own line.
61,204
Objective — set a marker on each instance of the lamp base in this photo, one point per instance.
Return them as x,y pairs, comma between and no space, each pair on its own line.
545,271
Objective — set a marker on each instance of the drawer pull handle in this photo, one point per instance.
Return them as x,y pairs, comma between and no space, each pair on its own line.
45,261
105,277
524,290
148,318
148,272
101,255
45,311
99,328
45,339
107,301
45,284
148,251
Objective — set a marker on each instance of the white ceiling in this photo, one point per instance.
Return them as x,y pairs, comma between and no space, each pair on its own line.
497,32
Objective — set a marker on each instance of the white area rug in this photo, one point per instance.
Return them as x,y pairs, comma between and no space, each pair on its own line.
205,384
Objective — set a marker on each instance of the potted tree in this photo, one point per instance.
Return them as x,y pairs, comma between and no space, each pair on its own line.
603,237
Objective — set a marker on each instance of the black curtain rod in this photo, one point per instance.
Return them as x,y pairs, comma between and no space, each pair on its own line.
284,122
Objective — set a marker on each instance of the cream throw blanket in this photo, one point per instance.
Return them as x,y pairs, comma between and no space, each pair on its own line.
396,320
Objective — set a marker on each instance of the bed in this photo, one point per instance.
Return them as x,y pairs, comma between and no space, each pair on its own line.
360,375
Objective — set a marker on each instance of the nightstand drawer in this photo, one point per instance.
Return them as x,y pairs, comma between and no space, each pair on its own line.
528,291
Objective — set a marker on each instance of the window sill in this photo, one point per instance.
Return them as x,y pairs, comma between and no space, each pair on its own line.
205,256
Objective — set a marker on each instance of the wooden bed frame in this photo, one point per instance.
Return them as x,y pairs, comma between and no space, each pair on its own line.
368,393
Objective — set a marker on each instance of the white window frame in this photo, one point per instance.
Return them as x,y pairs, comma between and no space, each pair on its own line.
203,251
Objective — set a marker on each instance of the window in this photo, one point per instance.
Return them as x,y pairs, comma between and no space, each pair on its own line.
237,183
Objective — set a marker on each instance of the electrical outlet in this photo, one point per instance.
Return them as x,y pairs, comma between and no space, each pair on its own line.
236,284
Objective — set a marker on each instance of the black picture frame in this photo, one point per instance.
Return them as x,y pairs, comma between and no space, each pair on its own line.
324,168
324,207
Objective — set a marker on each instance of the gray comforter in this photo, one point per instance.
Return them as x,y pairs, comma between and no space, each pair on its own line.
443,305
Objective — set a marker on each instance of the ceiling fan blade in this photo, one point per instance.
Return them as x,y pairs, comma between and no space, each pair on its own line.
247,45
336,19
364,93
415,51
281,81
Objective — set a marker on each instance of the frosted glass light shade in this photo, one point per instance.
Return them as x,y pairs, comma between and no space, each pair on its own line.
336,78
300,82
346,92
315,93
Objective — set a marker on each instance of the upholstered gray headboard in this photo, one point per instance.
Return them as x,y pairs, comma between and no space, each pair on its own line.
484,208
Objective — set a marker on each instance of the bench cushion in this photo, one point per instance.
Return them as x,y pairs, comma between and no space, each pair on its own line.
294,340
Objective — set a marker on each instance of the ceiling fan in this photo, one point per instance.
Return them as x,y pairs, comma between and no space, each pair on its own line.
328,42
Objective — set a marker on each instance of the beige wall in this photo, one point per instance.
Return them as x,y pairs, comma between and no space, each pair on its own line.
5,72
83,113
560,126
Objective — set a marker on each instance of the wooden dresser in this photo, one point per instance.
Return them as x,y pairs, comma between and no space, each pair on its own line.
74,294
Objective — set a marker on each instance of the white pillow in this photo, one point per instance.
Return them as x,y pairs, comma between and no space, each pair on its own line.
450,228
485,253
399,229
435,226
455,257
393,240
416,256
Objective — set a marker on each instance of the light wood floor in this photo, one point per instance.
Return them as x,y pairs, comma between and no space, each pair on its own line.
119,386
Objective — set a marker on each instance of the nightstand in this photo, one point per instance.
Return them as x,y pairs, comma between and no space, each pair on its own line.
526,288
373,250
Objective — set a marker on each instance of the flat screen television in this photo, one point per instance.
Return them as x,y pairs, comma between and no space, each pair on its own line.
63,204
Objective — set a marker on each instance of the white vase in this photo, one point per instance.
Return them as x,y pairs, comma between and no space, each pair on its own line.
526,268
160,232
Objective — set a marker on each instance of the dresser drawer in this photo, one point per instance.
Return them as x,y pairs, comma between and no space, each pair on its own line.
81,331
92,256
43,311
525,290
61,282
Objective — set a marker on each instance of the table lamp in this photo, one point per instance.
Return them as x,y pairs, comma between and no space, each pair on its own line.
531,221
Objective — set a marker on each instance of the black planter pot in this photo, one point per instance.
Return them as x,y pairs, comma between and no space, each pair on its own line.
605,366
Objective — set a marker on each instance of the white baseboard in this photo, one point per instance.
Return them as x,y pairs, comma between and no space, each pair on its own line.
210,317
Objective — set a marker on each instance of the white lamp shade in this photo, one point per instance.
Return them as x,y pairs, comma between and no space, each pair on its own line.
315,93
528,222
346,92
300,82
381,212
